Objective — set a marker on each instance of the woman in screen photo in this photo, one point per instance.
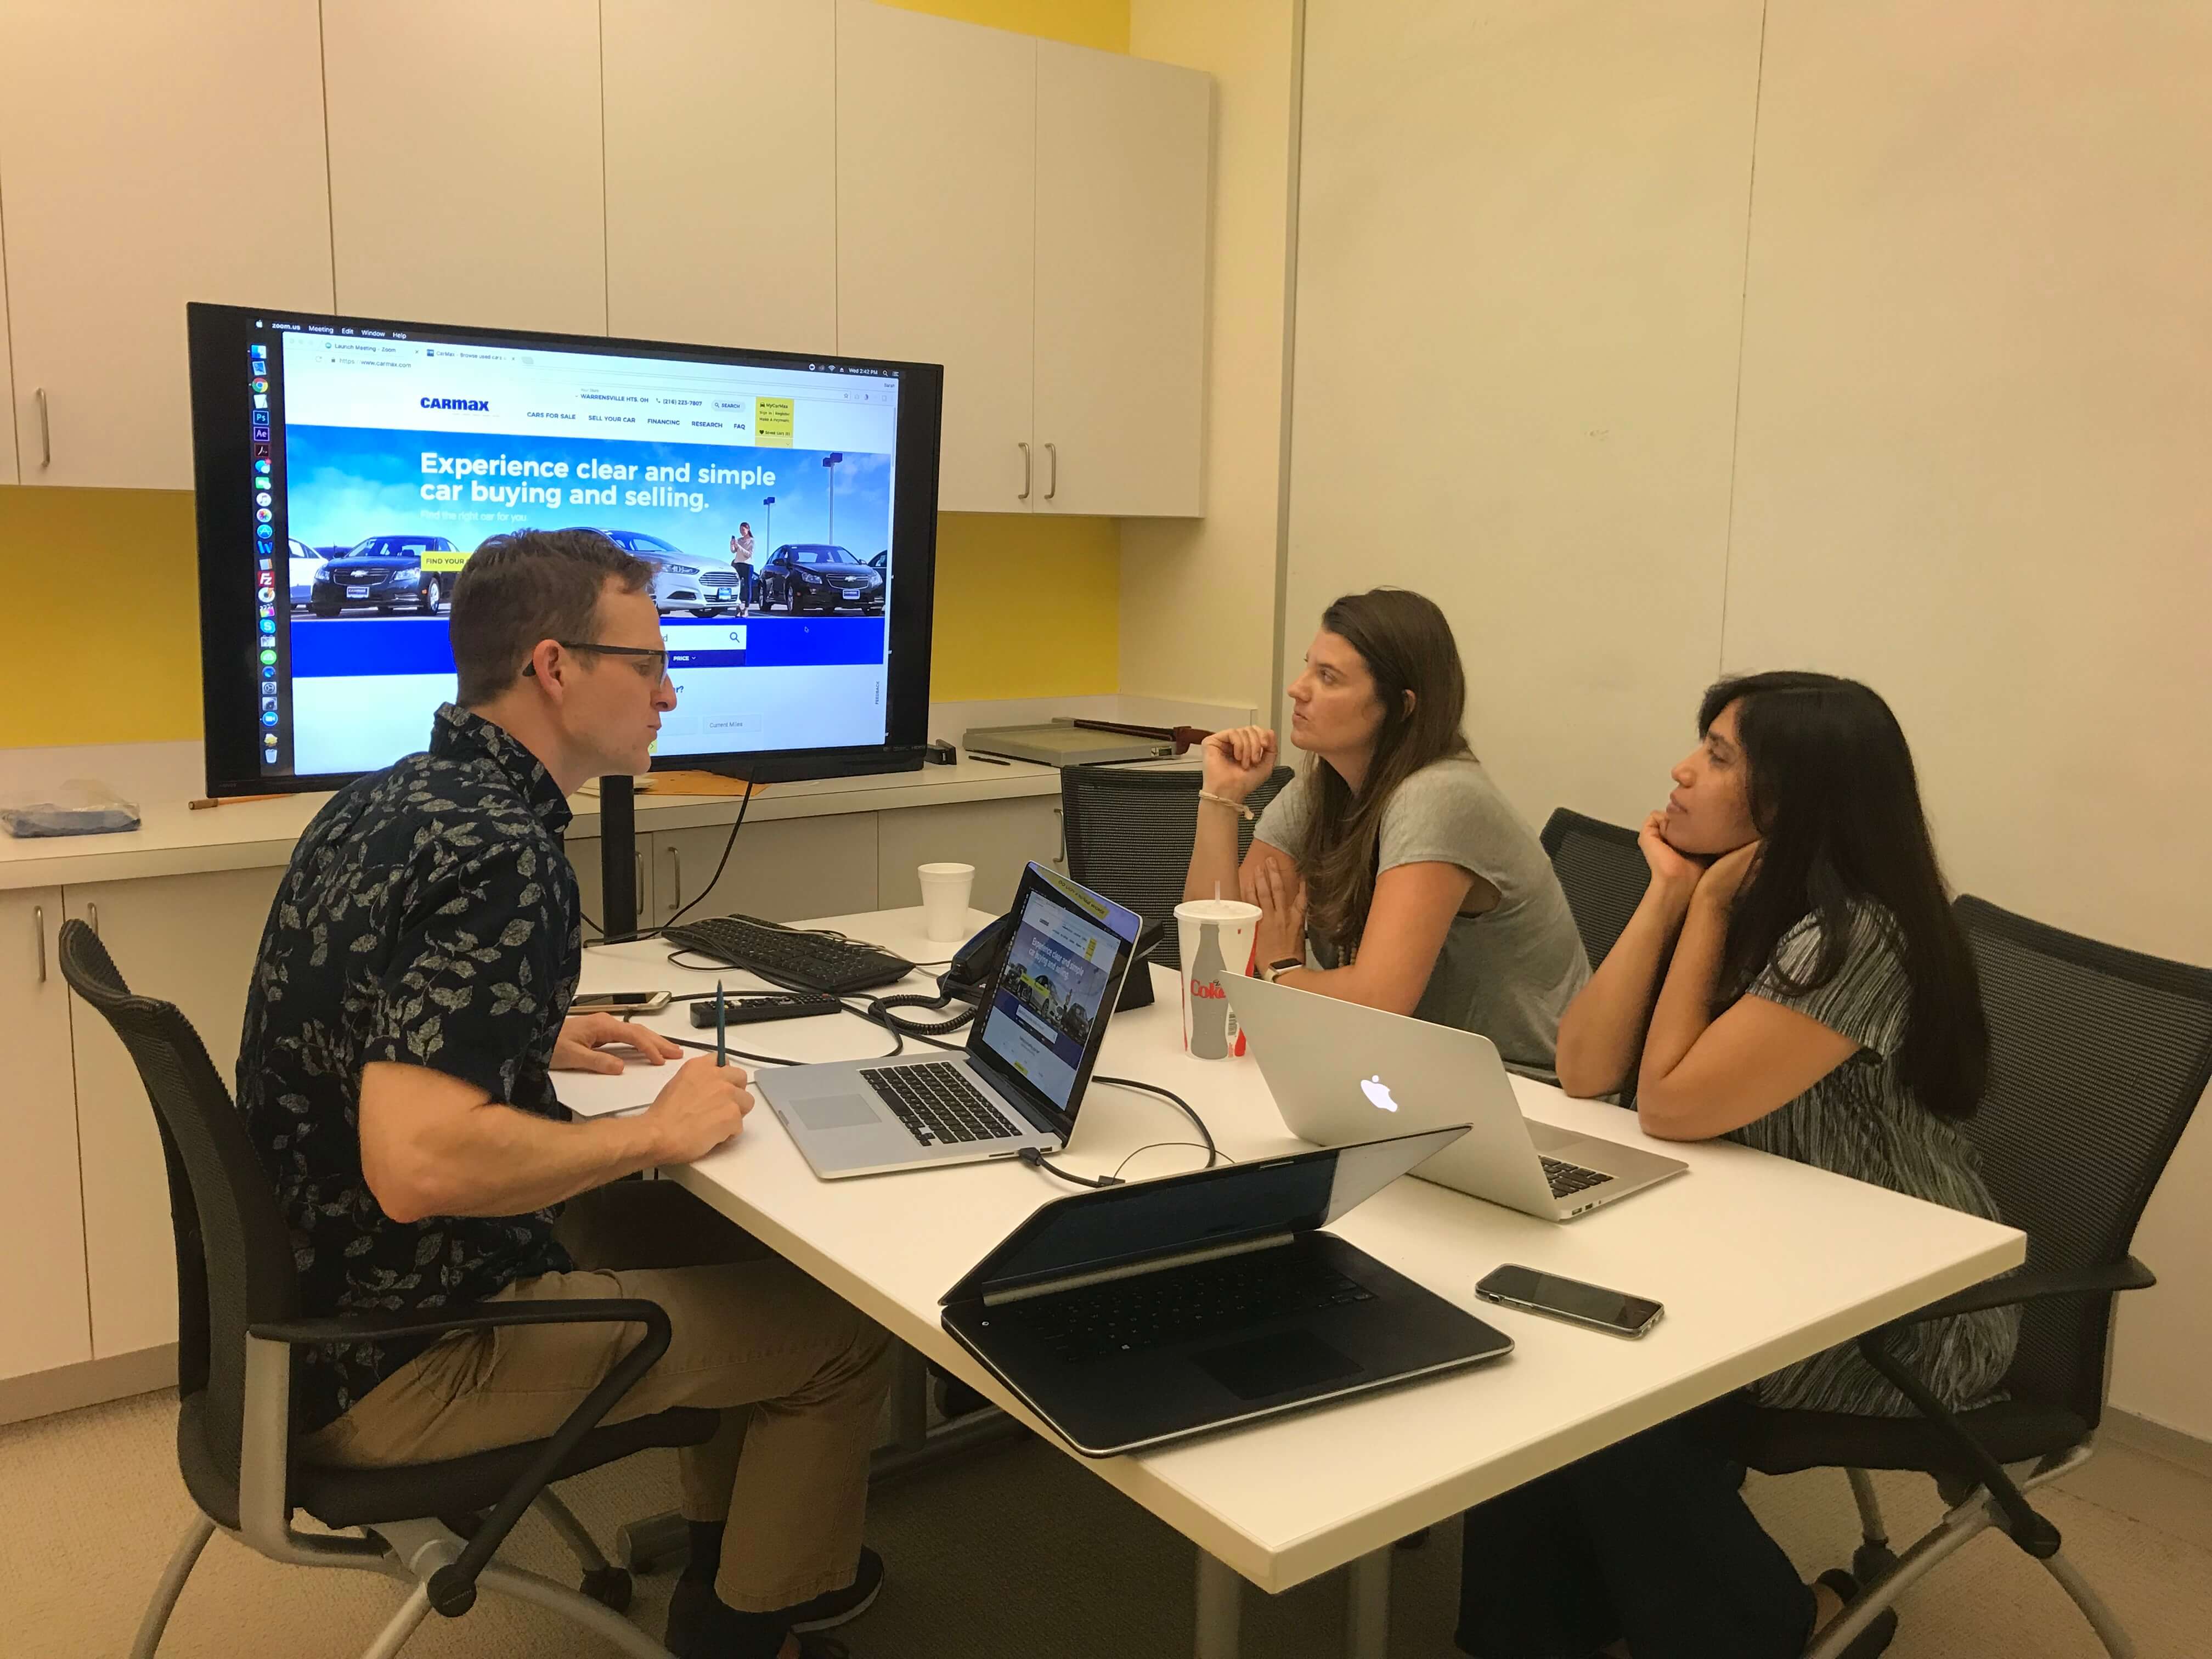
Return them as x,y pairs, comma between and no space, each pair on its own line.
1794,980
741,560
1393,872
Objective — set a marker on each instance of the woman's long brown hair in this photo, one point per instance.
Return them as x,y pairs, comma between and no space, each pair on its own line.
1407,646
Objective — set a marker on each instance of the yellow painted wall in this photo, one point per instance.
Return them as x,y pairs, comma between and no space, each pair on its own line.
103,617
104,606
1101,23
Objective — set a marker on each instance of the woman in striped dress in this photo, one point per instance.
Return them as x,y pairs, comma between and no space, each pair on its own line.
1793,980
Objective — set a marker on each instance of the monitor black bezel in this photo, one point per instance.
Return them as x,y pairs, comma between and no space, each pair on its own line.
217,338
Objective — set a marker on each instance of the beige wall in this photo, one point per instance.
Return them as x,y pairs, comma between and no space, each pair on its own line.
1925,397
1198,596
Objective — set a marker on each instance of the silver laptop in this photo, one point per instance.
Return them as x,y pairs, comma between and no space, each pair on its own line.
1342,1073
1030,1053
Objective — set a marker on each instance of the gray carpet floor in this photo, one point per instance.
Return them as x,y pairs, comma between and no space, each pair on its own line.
1015,1551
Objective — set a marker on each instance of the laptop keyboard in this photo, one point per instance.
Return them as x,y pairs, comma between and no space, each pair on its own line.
1568,1179
1150,1310
938,1105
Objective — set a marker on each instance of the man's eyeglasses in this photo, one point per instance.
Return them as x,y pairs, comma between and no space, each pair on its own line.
651,663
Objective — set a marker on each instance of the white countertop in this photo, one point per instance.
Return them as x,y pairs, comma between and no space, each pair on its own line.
174,839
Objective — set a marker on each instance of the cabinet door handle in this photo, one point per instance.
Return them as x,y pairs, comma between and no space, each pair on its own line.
1024,495
92,915
1060,857
46,430
676,875
38,933
1051,476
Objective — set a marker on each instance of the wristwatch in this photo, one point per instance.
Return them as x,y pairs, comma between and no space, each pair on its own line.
1275,970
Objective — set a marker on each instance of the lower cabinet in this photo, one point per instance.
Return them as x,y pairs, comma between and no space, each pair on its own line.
41,1218
584,854
187,939
782,870
1000,838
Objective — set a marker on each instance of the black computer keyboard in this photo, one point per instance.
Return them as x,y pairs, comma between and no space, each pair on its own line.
787,955
1217,1297
938,1105
1568,1179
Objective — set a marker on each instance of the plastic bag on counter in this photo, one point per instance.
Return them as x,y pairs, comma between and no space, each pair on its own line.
81,806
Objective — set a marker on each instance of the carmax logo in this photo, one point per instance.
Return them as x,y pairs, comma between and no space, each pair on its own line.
476,405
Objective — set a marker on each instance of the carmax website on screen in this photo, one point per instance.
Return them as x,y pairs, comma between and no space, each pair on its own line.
760,497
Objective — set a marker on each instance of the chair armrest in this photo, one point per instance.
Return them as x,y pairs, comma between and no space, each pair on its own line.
463,1316
2106,1278
453,1588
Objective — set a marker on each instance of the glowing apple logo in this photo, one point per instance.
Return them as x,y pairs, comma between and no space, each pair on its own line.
1378,1093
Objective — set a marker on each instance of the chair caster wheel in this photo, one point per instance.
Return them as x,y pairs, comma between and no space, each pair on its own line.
609,1586
1870,1561
1413,1540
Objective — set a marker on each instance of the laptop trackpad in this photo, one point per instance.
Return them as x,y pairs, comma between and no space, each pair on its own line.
836,1111
1274,1364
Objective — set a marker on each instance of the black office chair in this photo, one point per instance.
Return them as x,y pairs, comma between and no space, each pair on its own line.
1129,830
1603,871
2097,1058
238,1322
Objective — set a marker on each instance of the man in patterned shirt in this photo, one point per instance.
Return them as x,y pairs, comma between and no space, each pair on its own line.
408,1001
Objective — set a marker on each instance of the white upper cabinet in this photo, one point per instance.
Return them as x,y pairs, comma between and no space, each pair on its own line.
149,155
1121,217
936,227
721,157
466,177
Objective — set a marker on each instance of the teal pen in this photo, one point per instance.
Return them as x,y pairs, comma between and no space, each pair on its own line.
722,1045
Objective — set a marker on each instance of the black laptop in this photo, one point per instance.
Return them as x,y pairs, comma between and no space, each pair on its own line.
1145,1313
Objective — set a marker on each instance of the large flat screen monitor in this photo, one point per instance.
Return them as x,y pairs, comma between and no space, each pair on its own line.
346,467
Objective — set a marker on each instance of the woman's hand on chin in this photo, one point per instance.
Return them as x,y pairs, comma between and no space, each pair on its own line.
1725,877
1669,867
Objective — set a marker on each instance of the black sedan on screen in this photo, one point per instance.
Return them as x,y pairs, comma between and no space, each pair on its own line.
817,576
382,574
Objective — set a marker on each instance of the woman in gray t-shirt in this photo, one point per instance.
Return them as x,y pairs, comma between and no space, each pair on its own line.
1794,980
1393,872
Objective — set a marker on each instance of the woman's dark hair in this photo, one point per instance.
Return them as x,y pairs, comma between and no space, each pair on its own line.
1835,802
1407,646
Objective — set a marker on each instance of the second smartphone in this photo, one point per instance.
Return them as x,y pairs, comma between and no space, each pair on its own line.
1569,1299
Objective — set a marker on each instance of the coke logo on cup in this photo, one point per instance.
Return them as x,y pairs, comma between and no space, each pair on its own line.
1207,988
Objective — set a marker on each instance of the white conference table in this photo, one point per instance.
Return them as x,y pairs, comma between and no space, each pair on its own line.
1760,1262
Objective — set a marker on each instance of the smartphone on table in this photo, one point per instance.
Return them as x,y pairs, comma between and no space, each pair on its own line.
1569,1299
619,1002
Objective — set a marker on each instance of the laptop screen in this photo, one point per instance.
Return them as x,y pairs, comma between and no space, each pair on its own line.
1048,1006
1088,1232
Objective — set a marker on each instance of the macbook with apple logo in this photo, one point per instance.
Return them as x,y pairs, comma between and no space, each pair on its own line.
1342,1073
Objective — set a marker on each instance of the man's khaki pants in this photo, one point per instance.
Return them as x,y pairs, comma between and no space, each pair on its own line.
799,1374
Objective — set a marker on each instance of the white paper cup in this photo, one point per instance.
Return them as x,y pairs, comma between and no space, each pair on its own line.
1216,938
946,888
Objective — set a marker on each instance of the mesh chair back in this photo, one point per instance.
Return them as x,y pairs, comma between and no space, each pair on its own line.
2097,1058
1129,831
234,1255
1601,871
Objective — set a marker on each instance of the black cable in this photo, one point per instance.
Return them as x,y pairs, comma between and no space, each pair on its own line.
740,823
1212,1151
1036,1159
1155,1145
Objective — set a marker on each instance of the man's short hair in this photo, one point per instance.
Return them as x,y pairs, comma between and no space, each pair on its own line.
528,586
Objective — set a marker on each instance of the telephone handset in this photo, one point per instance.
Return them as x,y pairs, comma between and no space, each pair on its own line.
976,964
